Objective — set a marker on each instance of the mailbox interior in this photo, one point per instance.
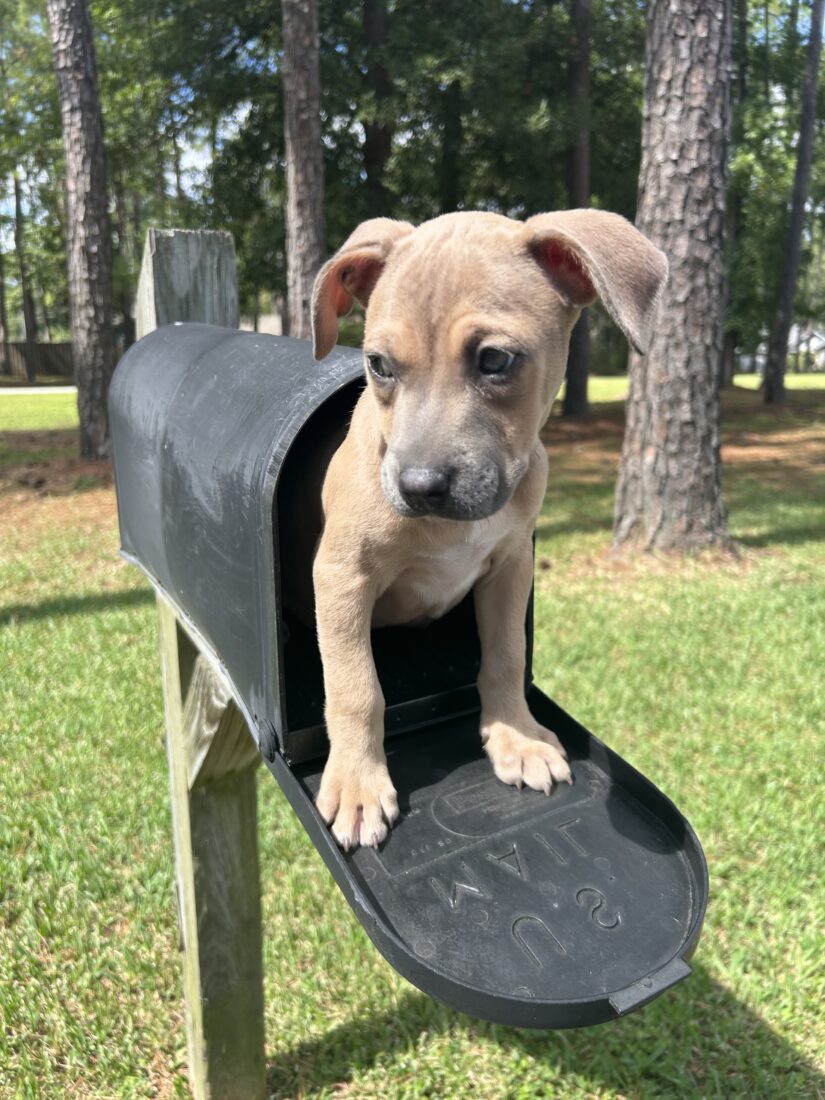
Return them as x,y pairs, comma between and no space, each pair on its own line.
427,673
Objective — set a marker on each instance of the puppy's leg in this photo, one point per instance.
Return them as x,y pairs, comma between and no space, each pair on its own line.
522,751
356,797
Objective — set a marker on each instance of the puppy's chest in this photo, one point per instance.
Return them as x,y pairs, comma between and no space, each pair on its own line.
435,581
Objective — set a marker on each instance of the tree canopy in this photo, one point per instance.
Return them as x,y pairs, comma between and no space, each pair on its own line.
426,108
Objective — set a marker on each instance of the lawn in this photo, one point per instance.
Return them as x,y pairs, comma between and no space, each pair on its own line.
30,412
706,674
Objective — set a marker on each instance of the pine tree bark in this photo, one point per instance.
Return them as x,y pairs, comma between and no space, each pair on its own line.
29,316
44,316
736,216
89,234
669,494
450,190
377,130
5,365
774,382
578,190
127,246
305,235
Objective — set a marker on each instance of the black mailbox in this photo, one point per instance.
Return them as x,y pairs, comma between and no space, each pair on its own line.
519,908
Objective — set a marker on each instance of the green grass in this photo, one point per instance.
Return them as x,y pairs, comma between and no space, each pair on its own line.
44,413
23,412
706,675
792,381
31,412
602,388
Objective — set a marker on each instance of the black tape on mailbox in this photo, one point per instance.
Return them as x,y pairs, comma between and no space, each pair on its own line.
530,910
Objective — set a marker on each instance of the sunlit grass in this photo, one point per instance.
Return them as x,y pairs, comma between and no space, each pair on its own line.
602,388
21,412
29,412
792,381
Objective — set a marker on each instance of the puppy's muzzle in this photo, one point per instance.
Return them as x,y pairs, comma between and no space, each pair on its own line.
465,487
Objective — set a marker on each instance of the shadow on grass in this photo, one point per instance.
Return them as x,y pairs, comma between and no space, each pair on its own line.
695,1041
581,525
74,605
785,536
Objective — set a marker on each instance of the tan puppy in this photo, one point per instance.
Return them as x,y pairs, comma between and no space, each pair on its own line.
437,486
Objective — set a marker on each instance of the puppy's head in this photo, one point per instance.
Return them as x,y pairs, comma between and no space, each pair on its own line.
466,336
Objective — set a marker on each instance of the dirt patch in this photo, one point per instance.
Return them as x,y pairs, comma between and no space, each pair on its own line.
786,443
30,515
42,381
799,446
603,431
37,441
46,463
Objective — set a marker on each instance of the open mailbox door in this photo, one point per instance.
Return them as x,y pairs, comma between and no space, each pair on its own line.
527,910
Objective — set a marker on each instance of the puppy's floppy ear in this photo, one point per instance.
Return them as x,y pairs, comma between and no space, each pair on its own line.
351,273
589,253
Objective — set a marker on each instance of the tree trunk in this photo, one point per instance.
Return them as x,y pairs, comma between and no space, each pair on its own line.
807,362
44,313
305,235
578,102
180,194
5,365
89,236
29,316
450,192
127,246
767,32
728,359
213,140
377,130
736,215
790,47
578,190
158,148
575,402
774,384
137,222
669,494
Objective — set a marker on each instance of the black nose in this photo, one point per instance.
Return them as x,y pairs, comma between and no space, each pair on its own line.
424,484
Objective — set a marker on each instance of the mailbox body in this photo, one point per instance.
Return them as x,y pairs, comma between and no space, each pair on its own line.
211,431
534,911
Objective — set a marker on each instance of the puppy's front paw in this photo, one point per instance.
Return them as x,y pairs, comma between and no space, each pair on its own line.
534,758
357,801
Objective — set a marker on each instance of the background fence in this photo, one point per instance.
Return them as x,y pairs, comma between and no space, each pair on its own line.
47,359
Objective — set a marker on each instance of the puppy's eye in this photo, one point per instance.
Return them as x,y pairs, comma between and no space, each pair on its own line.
379,368
495,361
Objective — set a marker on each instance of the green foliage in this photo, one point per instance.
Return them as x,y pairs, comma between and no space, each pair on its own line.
769,61
475,109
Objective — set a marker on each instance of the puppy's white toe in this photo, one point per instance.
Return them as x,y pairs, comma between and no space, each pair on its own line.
550,738
537,772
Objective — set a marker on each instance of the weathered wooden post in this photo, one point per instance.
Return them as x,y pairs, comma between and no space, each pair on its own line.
191,276
187,275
